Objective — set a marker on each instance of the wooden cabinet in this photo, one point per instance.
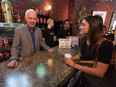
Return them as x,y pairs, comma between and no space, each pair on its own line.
42,21
4,49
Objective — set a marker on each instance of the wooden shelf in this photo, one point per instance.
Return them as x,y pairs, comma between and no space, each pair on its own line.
5,53
42,16
42,21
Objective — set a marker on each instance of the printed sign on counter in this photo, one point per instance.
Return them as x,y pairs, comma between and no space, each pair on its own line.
64,43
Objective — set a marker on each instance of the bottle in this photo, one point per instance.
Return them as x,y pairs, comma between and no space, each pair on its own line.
6,41
115,36
1,55
1,43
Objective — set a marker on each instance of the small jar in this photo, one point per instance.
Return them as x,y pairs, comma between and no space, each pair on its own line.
1,55
7,54
1,43
6,42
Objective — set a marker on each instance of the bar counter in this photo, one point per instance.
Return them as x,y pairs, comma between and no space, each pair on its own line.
42,69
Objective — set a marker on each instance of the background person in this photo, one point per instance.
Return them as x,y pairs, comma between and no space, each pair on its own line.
48,34
66,30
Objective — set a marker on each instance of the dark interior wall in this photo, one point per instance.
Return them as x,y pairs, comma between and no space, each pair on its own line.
21,6
59,7
71,9
95,5
63,9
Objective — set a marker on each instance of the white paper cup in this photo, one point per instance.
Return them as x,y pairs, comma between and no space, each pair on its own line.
67,55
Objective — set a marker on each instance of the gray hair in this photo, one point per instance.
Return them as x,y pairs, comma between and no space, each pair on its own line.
28,11
48,21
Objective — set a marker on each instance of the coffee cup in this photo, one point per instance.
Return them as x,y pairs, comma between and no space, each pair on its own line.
67,55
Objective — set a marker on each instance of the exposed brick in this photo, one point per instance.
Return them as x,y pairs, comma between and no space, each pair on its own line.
63,9
95,5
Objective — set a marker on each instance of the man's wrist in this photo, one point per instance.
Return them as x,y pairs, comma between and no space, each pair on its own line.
11,60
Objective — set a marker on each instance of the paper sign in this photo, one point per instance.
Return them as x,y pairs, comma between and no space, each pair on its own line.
64,43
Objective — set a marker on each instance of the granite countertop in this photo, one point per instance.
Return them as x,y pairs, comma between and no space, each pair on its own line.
42,69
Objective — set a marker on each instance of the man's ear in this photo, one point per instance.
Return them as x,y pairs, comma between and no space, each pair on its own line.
25,18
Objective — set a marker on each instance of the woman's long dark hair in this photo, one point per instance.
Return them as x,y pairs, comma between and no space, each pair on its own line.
95,29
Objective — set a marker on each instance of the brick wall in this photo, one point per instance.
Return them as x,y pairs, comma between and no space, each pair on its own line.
59,7
71,9
20,6
97,5
63,9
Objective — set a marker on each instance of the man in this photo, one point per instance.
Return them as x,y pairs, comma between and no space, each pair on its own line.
27,39
66,31
48,34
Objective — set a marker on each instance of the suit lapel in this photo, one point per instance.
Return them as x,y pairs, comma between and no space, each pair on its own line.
28,34
36,36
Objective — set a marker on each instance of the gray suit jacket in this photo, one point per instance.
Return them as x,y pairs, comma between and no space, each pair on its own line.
22,42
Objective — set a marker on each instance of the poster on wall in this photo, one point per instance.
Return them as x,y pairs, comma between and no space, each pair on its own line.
100,13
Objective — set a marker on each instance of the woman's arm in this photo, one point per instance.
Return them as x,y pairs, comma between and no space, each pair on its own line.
75,57
99,70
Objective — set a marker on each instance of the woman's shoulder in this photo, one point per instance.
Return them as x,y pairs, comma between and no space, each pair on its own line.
104,41
107,44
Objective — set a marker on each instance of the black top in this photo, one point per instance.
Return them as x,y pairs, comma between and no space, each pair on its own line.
62,33
105,52
48,34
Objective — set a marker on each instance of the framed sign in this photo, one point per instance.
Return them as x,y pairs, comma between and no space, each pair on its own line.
113,22
64,43
100,13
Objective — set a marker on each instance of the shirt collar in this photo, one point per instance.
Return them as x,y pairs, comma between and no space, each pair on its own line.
31,29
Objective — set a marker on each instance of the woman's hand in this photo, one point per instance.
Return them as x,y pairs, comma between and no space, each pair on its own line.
69,61
76,57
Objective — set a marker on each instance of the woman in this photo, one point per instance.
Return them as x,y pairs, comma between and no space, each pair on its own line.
92,29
